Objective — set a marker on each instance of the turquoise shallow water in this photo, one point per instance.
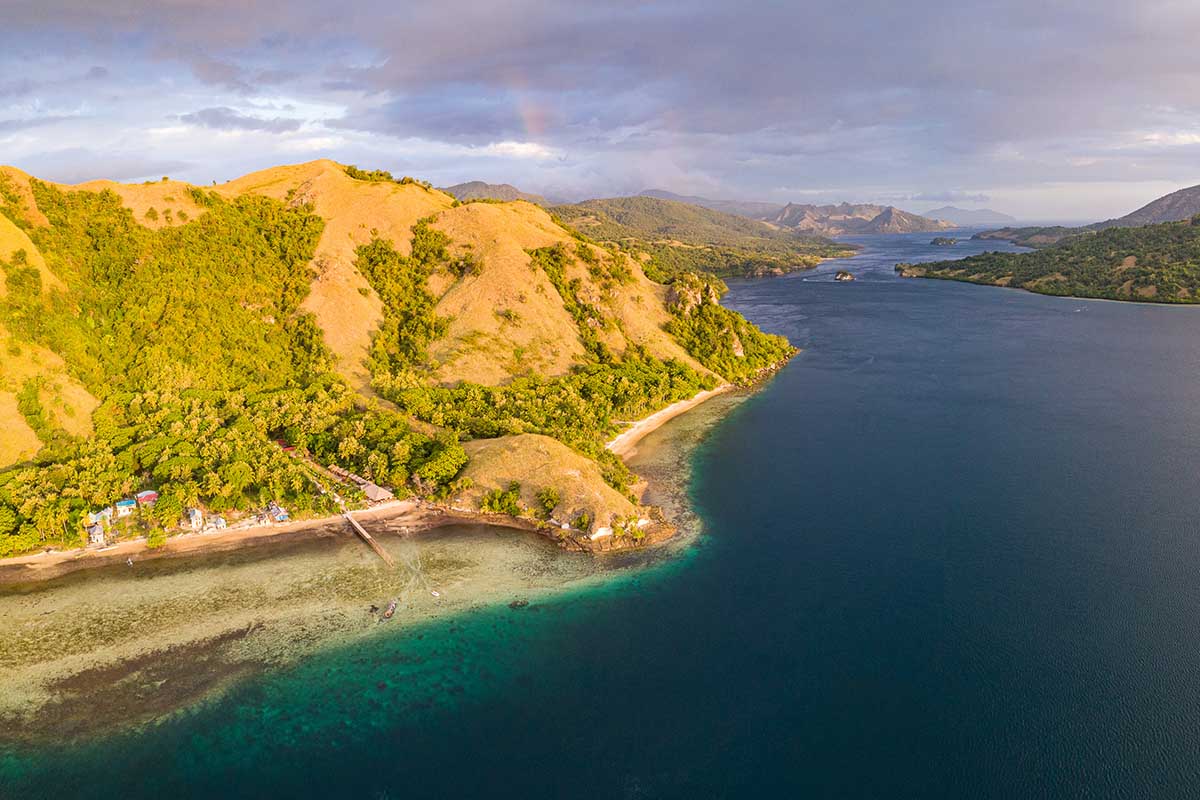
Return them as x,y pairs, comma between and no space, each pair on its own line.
949,551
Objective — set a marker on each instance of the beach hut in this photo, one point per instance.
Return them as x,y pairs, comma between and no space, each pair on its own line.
376,494
219,522
125,507
147,498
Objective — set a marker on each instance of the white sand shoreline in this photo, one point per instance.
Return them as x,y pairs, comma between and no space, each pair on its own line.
625,444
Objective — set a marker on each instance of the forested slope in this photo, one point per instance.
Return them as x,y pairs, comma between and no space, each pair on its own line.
1154,263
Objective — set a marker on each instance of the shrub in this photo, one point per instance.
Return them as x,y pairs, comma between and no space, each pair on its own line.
548,498
503,501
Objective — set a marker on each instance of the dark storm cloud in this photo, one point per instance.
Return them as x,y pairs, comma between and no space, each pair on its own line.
229,120
755,98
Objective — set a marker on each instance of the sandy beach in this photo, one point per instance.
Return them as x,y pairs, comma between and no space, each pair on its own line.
625,444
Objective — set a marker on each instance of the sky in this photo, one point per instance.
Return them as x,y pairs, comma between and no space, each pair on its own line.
1044,110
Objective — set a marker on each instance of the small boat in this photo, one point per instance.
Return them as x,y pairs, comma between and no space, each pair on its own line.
435,593
390,611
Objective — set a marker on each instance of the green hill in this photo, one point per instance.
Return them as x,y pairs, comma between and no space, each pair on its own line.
176,338
680,237
1155,263
479,190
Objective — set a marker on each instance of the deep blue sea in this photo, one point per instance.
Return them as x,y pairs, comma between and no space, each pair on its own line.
952,550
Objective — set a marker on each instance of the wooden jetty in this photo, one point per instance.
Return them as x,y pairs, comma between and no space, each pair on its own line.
369,539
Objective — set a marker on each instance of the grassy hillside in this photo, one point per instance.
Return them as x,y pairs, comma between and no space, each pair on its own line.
1157,263
1032,236
681,237
371,322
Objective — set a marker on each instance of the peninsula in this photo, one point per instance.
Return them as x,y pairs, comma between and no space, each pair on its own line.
269,350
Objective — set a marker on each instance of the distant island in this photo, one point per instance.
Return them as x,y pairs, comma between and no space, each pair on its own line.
1153,263
965,217
943,241
317,337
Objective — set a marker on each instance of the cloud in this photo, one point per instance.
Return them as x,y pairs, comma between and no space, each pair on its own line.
520,150
226,119
866,99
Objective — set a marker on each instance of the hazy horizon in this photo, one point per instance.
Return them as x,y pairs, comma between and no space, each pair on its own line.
1041,112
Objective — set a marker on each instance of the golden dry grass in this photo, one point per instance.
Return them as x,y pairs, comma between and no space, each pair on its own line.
640,307
162,196
19,181
340,298
69,404
537,462
510,320
18,442
481,344
13,239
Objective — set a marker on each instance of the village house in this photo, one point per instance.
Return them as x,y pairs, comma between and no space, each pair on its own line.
125,507
277,512
374,492
147,498
195,519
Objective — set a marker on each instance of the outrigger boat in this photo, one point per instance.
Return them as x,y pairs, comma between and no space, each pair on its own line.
390,611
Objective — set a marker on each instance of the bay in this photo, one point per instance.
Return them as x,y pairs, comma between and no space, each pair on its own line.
950,551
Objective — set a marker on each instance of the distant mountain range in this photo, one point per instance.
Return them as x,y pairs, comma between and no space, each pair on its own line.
1174,207
967,217
843,218
820,220
478,190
